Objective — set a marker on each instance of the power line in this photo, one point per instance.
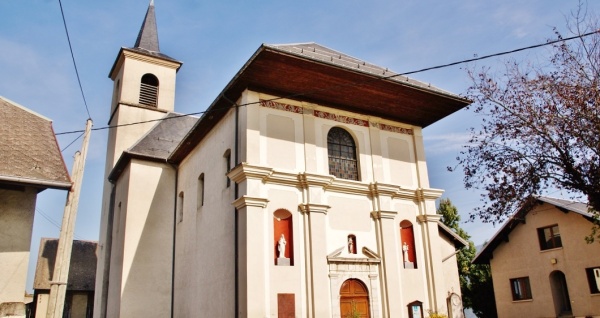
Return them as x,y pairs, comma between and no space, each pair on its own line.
65,148
73,58
377,78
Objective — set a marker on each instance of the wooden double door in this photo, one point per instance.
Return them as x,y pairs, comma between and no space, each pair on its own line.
354,299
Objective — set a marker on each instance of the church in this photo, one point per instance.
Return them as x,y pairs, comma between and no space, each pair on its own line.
301,191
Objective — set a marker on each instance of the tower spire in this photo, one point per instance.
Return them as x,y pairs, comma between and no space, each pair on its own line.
148,37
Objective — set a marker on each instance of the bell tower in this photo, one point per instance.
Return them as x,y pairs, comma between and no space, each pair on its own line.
144,91
144,88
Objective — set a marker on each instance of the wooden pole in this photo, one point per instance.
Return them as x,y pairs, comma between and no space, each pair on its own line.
58,284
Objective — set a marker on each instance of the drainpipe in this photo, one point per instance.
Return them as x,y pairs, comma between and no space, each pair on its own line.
174,238
236,226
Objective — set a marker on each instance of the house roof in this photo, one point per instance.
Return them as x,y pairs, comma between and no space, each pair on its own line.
459,242
486,253
82,270
317,74
29,152
158,143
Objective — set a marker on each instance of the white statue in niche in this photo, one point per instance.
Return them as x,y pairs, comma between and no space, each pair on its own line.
405,251
350,245
281,246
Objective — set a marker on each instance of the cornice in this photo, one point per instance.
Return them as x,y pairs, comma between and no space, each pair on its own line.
313,208
154,60
245,171
349,186
378,189
308,179
428,194
384,214
246,201
429,218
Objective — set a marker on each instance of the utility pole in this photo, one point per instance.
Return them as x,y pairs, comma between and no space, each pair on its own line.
58,285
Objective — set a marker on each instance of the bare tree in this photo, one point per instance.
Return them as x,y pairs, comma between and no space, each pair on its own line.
541,126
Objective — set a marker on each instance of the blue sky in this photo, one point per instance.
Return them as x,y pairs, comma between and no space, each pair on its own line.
215,38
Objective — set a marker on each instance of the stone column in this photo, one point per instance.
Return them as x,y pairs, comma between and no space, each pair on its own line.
316,256
390,265
253,266
433,259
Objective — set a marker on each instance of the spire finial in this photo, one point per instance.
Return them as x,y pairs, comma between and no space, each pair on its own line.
148,37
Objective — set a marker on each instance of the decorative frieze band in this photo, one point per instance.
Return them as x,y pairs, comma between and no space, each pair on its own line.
339,118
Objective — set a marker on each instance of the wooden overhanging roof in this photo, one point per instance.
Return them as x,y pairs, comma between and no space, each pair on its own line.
316,74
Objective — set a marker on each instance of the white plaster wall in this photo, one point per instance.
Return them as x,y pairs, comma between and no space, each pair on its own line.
450,268
522,257
205,263
140,272
17,210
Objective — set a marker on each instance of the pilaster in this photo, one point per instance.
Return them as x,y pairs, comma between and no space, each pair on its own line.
253,266
316,256
391,281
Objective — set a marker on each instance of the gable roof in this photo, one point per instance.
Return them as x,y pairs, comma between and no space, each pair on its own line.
486,253
82,270
29,152
158,143
317,74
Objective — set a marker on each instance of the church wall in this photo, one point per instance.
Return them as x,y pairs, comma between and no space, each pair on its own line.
16,223
287,137
450,269
142,241
205,263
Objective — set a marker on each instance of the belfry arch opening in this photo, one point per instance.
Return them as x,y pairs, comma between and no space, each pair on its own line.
149,90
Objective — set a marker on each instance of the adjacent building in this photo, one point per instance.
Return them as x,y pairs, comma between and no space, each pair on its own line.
79,297
30,162
302,191
541,264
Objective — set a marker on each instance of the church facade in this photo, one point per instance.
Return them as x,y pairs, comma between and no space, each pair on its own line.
302,191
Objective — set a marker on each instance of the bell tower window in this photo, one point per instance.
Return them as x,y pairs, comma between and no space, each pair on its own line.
149,90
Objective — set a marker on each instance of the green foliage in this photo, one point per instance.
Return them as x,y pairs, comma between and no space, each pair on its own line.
475,279
435,314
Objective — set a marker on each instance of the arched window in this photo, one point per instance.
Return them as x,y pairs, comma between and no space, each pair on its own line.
149,90
407,239
283,237
341,150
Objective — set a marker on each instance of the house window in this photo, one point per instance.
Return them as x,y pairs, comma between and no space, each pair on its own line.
200,198
227,157
149,90
593,276
549,237
341,150
520,288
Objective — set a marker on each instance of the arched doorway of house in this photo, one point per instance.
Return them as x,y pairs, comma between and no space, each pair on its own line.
560,293
354,299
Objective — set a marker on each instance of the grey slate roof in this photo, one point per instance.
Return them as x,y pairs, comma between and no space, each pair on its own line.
162,139
29,152
148,37
324,54
82,271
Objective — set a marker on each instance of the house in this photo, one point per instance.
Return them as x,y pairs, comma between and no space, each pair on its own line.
79,298
541,264
302,191
30,162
